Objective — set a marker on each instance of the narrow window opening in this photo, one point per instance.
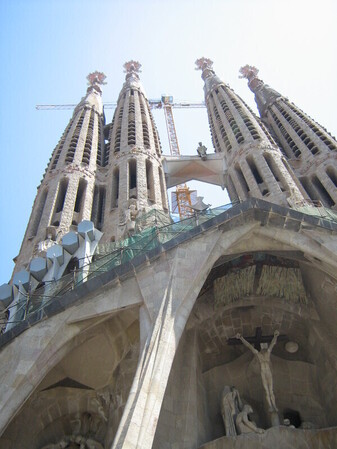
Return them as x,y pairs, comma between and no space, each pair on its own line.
101,207
132,178
332,175
241,179
115,188
98,207
149,181
309,189
61,195
275,171
80,194
254,170
325,197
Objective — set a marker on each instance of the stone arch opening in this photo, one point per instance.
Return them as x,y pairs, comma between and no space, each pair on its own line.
266,290
83,396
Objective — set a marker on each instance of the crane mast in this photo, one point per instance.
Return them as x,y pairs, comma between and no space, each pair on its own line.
182,193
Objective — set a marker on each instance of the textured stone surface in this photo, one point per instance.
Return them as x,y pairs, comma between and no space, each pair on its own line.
279,438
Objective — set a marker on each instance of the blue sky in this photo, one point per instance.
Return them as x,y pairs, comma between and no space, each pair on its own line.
48,48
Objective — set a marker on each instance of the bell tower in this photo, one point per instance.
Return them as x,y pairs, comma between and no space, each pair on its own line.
133,158
256,166
308,147
65,195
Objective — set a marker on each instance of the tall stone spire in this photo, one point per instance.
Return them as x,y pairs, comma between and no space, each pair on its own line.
256,166
65,195
133,161
310,149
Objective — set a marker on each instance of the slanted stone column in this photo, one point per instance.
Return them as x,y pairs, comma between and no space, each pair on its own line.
178,277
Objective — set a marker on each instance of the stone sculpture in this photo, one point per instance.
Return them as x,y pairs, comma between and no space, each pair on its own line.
202,150
230,407
243,424
263,357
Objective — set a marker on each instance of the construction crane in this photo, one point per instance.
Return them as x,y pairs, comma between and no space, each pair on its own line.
154,104
181,199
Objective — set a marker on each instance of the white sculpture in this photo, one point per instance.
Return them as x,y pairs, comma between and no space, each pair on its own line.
230,407
243,424
263,357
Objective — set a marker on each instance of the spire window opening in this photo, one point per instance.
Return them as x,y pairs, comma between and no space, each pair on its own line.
289,141
145,128
273,167
315,127
78,208
150,181
242,180
117,145
38,213
297,128
60,200
74,140
101,207
308,187
132,178
98,207
115,188
88,141
324,194
56,159
249,124
331,172
257,175
61,196
162,189
213,134
131,120
100,158
146,136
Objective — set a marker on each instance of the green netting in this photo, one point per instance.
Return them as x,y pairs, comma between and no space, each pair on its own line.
110,255
319,211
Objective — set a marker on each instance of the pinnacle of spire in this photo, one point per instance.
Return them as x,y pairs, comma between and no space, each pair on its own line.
132,68
93,97
250,73
206,66
96,78
264,95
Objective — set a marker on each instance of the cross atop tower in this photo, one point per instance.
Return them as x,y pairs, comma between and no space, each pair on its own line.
249,72
204,63
132,67
96,78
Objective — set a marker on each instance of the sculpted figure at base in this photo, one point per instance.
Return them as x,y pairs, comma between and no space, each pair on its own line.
263,357
243,424
231,405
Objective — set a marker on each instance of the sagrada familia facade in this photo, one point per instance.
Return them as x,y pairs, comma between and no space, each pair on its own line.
124,329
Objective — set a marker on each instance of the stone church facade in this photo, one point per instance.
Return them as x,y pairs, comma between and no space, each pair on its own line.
122,329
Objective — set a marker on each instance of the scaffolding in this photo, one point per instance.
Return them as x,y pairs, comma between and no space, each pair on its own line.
181,198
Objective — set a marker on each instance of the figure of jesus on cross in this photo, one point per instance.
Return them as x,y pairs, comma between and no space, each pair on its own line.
263,357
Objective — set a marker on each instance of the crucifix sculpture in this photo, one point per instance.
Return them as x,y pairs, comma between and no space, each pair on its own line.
262,352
